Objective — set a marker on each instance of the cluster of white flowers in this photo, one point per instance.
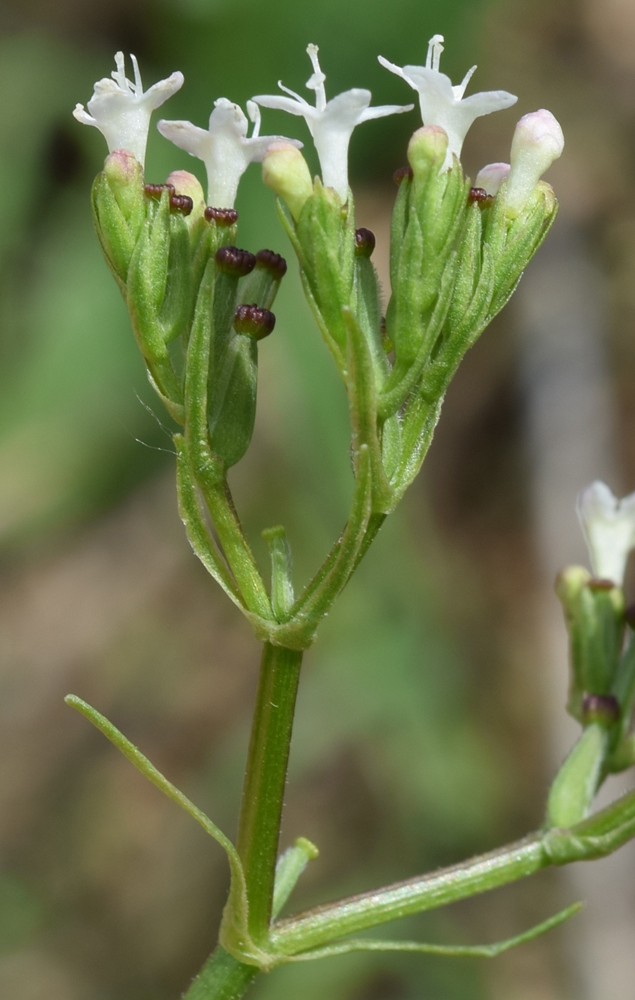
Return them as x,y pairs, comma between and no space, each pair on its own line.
121,110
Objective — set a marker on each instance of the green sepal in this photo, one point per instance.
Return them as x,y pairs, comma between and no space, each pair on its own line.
282,595
259,288
176,308
595,622
368,315
117,235
623,754
523,237
325,233
573,790
362,398
198,534
290,866
417,430
207,467
398,226
232,400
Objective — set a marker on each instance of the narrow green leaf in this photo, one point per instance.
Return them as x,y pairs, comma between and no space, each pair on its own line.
450,951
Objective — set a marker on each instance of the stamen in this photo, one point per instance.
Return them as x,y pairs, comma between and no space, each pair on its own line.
138,86
119,75
292,93
255,116
316,82
460,89
435,48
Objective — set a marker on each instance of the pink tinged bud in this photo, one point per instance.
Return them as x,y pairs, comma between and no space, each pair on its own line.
124,174
537,142
285,170
186,183
491,177
428,146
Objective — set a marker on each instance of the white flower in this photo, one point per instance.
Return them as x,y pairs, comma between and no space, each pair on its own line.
537,142
121,110
331,123
224,147
608,525
444,105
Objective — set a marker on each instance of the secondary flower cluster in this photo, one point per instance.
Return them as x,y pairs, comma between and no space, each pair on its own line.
121,110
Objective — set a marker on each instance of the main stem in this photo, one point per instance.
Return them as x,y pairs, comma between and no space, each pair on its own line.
265,778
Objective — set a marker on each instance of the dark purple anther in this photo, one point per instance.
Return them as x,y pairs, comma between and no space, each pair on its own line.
237,263
480,196
602,708
273,262
181,203
154,191
401,174
595,585
254,321
364,242
222,216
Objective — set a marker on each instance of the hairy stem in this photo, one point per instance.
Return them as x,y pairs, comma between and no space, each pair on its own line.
221,978
263,791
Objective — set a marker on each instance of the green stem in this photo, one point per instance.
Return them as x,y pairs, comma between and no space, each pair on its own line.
221,978
325,923
263,791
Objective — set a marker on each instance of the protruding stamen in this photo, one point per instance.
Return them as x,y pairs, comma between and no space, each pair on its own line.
602,708
119,74
254,321
138,86
459,90
235,262
272,262
221,216
154,191
255,116
316,82
364,242
435,48
182,204
402,174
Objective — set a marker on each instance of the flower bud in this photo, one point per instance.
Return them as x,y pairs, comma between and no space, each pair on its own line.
253,321
537,142
427,146
124,174
491,177
285,170
234,262
186,185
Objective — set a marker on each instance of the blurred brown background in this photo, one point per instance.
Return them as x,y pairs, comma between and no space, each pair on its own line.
431,711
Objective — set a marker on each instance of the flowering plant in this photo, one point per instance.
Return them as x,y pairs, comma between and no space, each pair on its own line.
200,307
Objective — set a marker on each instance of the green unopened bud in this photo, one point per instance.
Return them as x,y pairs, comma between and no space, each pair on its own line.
119,210
572,793
285,170
427,148
594,610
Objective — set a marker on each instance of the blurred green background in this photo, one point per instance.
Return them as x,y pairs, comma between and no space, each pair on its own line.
421,724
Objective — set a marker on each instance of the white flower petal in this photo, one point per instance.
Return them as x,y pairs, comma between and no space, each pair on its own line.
224,148
608,525
330,123
442,103
121,110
